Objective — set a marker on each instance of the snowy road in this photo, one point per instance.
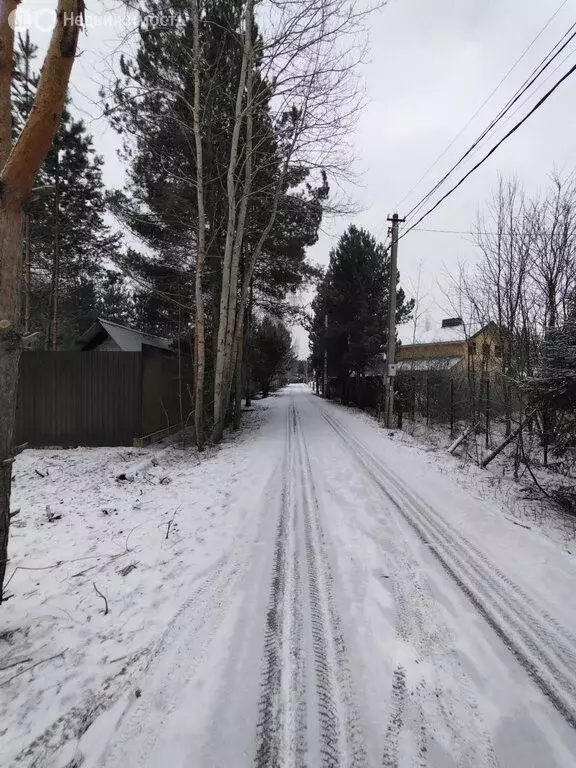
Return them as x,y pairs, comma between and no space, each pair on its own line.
368,612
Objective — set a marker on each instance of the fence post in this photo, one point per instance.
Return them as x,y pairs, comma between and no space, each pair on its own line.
451,407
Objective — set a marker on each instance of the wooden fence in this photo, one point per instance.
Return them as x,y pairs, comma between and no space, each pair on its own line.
73,398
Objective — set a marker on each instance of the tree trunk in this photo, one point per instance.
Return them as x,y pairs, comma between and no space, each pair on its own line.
56,260
27,273
10,349
238,388
235,340
18,168
246,355
7,8
507,393
199,325
241,304
222,371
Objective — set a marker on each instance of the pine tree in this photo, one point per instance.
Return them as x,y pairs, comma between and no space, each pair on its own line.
353,300
162,292
69,240
153,100
66,238
115,300
272,354
24,81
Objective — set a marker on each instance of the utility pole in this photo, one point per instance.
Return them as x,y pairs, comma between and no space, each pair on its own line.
325,377
391,355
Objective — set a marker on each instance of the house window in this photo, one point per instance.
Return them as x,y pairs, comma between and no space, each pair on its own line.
471,349
498,351
485,351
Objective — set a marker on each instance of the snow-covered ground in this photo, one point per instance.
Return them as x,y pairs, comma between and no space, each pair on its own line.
313,593
520,499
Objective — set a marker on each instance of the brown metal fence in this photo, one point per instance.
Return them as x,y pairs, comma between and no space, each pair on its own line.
75,398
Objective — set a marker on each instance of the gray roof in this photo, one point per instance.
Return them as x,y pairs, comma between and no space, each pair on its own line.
435,335
127,339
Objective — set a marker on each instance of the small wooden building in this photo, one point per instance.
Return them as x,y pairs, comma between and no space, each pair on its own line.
137,390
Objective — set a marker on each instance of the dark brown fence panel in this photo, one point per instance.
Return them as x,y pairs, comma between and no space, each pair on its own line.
164,379
79,398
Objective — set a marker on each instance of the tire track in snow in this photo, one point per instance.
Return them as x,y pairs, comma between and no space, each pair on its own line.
442,695
344,714
542,647
273,716
396,719
301,605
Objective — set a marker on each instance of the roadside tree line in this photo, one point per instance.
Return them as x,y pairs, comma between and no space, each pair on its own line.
525,283
236,120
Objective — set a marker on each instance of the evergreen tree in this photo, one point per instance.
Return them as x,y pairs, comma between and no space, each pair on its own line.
351,306
153,100
67,240
553,389
115,301
272,353
161,293
70,241
24,81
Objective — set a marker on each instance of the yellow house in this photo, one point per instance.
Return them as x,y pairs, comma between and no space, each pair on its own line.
453,348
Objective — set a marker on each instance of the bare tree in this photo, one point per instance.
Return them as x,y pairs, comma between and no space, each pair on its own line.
19,165
422,303
308,53
504,236
554,268
199,326
293,106
554,248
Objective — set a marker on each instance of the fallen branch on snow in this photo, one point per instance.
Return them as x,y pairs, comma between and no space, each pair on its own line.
14,664
103,598
42,661
169,523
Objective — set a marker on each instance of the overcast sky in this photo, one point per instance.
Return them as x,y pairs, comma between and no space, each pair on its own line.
433,62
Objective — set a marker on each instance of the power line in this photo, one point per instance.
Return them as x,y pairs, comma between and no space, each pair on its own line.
486,100
451,231
494,148
527,99
536,73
